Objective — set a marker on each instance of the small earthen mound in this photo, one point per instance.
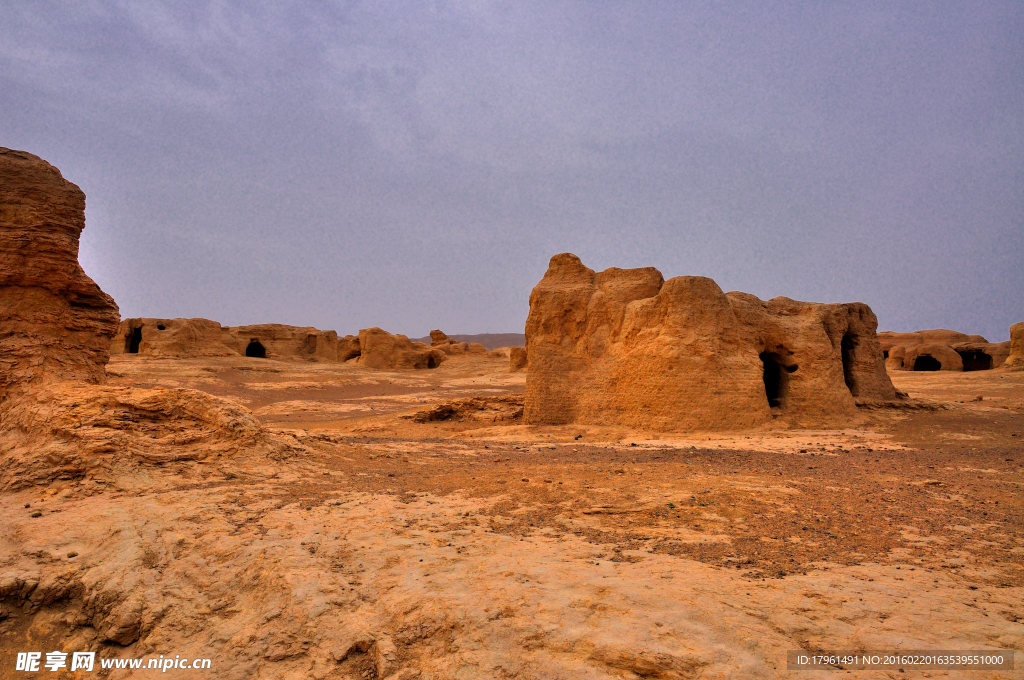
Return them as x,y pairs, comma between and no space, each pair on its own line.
439,340
380,349
489,409
204,338
72,430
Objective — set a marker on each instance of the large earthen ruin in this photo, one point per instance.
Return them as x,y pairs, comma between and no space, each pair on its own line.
627,347
181,338
941,350
372,347
55,322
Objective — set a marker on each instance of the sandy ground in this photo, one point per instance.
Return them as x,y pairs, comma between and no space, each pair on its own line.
475,546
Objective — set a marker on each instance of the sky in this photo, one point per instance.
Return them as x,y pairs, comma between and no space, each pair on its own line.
414,165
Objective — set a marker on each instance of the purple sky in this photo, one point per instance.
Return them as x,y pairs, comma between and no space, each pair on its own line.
414,165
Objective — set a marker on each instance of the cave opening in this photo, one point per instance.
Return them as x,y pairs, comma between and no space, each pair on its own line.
256,349
848,346
975,360
310,345
133,340
431,363
926,362
776,378
885,354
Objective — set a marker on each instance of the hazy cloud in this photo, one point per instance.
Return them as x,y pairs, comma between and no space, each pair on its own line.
413,165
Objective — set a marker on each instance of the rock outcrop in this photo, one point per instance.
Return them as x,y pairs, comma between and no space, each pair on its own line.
626,347
516,358
373,347
55,322
380,349
1015,359
439,340
348,348
487,409
490,341
56,420
940,350
202,337
69,430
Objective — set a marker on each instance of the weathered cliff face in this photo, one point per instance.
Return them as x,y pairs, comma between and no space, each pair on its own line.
56,327
627,347
941,350
173,338
936,336
517,358
55,322
1015,360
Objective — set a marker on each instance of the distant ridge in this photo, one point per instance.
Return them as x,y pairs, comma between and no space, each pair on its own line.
488,340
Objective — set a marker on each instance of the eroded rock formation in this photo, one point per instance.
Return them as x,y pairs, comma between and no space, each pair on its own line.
517,358
68,430
373,347
940,350
55,322
56,420
1015,360
439,340
380,349
488,409
202,337
627,347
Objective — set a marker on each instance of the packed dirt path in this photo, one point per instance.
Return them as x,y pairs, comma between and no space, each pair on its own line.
416,529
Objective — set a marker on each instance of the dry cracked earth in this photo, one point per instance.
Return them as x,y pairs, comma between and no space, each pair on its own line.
416,529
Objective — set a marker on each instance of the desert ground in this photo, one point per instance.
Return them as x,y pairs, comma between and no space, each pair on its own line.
416,529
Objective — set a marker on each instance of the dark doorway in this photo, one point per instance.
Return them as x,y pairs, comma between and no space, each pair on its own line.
256,349
310,346
132,342
885,354
848,346
776,379
975,360
431,363
926,362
